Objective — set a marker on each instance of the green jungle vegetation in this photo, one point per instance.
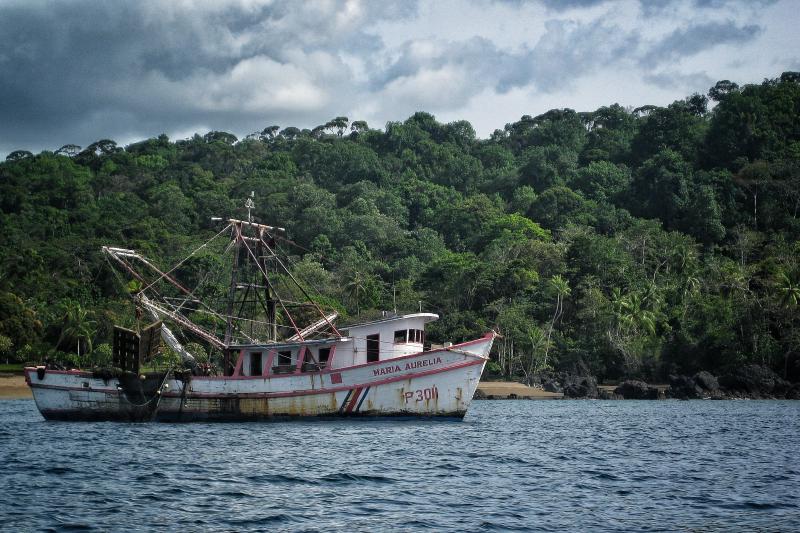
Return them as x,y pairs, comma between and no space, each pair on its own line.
634,243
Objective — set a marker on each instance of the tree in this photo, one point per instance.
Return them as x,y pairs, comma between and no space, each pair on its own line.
722,89
702,216
19,322
269,133
558,206
609,135
339,124
788,289
545,167
660,187
69,150
358,127
676,127
221,137
631,329
77,326
18,155
560,287
290,133
602,180
362,288
5,347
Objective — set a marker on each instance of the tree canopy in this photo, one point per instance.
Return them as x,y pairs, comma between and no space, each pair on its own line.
632,242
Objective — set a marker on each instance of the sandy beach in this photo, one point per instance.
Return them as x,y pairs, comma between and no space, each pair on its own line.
505,389
13,387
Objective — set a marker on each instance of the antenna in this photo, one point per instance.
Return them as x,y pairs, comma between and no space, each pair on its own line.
250,204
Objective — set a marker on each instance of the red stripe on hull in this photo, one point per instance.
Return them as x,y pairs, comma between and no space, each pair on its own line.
353,400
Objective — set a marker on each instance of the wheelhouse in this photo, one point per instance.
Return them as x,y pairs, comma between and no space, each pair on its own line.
370,342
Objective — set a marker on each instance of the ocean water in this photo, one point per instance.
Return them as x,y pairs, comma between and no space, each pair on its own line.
509,466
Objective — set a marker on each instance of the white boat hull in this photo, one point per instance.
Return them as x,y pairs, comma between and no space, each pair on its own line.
438,383
75,395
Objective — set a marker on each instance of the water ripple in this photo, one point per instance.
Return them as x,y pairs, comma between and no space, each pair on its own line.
510,466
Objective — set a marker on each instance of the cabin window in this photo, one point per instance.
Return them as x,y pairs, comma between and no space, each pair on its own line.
324,355
255,364
373,348
416,335
285,358
400,336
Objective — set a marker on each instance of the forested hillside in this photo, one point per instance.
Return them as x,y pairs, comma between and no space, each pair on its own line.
635,242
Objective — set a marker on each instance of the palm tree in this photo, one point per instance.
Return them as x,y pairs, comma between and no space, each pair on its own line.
359,285
633,321
561,288
789,290
77,325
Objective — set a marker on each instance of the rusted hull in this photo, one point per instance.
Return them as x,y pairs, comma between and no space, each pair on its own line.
429,397
430,384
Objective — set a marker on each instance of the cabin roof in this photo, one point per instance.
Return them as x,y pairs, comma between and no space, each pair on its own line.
288,344
427,317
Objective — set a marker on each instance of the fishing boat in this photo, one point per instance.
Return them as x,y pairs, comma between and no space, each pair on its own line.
281,358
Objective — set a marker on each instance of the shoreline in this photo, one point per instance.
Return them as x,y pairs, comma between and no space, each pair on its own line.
13,387
511,390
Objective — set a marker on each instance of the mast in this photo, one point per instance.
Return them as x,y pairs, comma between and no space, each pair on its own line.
227,366
244,277
269,299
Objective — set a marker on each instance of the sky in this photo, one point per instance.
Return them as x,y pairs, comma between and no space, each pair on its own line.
76,71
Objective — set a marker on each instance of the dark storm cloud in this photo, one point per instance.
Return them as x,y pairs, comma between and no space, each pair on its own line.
74,71
689,41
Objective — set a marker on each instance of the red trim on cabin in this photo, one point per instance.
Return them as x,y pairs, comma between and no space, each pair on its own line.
268,365
329,362
237,371
324,390
301,355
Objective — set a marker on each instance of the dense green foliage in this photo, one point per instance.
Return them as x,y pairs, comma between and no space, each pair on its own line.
633,242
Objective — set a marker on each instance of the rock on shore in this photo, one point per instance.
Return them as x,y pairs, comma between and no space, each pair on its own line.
637,390
751,381
754,381
580,386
